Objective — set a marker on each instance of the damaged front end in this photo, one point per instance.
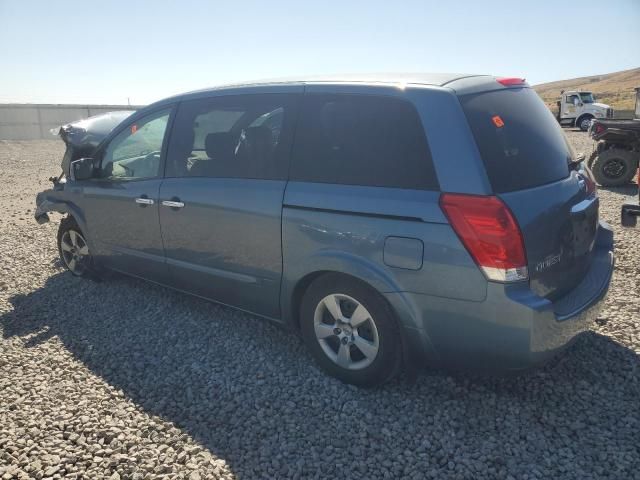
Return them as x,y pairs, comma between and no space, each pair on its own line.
81,139
49,201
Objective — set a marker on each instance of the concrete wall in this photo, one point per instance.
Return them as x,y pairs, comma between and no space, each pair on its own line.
30,122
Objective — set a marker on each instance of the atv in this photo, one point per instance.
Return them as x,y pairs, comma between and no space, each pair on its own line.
614,160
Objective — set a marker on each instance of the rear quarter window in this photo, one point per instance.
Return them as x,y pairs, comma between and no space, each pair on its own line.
361,140
520,141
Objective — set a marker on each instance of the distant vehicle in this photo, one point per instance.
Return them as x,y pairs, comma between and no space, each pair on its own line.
615,158
428,219
578,108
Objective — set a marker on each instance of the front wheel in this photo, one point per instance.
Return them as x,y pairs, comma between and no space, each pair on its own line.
615,167
350,331
583,122
73,248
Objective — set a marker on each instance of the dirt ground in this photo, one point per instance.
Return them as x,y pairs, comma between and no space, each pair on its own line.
123,379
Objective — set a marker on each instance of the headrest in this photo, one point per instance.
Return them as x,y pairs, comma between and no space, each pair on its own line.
338,120
219,145
258,134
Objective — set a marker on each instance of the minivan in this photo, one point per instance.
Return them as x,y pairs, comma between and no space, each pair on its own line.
394,220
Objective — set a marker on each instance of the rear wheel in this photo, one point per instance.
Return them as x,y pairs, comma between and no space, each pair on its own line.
350,331
73,248
614,167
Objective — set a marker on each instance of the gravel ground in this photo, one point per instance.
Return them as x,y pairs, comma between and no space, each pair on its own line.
123,379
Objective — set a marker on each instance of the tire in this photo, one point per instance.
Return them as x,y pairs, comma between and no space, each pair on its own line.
583,122
336,345
592,158
615,167
73,248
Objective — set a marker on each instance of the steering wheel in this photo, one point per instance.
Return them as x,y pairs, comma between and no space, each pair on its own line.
128,170
151,155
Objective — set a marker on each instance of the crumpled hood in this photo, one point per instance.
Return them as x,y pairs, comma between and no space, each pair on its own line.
82,137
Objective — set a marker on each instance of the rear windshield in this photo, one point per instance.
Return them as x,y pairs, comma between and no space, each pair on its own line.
519,140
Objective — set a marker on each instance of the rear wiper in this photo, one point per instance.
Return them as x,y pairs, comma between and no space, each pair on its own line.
574,164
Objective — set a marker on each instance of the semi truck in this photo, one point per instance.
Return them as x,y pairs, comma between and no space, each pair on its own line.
576,108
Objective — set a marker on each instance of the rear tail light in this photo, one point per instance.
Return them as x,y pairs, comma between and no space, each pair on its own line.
490,234
599,128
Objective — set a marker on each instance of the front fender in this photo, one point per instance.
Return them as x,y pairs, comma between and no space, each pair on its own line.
54,201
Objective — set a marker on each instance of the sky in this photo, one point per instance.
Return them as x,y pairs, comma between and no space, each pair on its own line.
141,50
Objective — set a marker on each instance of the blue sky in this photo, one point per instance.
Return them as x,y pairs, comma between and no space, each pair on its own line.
103,52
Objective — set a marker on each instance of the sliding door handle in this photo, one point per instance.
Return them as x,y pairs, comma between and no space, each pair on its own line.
144,201
172,203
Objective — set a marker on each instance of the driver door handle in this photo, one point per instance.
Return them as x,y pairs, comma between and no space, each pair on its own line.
172,204
144,201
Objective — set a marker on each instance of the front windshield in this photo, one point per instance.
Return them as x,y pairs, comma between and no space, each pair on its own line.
587,97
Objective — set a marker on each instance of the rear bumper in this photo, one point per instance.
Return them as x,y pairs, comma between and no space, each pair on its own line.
511,329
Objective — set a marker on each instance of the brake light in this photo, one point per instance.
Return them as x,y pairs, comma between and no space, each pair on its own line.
599,128
490,234
511,81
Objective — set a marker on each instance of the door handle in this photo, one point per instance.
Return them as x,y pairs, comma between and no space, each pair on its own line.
144,201
172,203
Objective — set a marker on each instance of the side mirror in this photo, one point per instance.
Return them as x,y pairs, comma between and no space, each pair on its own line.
576,102
82,169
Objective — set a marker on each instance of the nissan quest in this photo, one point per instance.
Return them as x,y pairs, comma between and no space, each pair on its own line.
394,221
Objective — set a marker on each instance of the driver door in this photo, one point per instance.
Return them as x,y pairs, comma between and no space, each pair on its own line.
121,204
571,105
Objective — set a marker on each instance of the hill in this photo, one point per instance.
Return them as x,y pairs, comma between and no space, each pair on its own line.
615,89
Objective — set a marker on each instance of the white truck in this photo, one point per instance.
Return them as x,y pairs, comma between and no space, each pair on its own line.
578,108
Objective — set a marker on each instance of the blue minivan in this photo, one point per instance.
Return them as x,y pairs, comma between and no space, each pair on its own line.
391,220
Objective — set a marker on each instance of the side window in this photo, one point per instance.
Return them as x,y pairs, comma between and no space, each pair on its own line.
135,152
571,98
362,140
236,136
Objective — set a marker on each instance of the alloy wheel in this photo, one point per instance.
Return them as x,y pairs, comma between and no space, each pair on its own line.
346,331
75,251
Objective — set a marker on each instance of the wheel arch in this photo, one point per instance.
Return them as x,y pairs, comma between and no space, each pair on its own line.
53,205
581,117
352,266
411,351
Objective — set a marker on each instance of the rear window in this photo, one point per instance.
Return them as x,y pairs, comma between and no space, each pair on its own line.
361,140
520,142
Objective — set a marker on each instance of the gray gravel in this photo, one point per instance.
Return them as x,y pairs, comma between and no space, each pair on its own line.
123,379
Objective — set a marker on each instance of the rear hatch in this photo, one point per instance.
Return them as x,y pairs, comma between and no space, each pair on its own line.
527,159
